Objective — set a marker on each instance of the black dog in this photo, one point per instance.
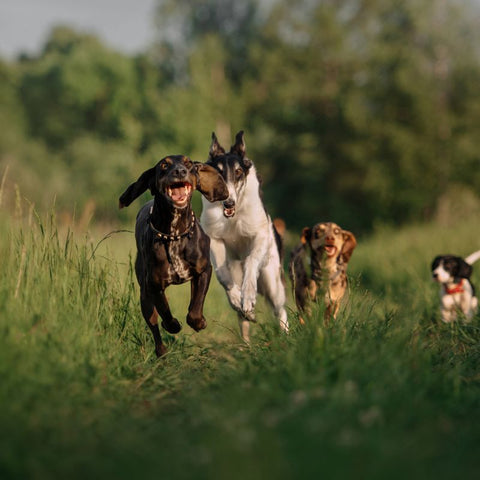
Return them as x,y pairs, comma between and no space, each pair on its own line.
172,248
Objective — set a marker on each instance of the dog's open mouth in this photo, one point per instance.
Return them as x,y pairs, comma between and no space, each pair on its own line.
330,250
179,192
229,212
228,208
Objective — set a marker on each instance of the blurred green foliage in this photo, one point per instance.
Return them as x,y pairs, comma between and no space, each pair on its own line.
364,112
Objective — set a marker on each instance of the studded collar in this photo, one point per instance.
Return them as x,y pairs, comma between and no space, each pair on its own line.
168,237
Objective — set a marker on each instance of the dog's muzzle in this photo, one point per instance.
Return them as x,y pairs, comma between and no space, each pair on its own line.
229,208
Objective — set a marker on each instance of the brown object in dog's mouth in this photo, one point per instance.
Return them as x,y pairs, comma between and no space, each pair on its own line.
179,192
331,250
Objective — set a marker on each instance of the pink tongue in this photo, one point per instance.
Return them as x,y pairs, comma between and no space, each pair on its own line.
330,250
178,194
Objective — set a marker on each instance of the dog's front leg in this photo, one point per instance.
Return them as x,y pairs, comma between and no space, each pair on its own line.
448,309
169,323
199,287
222,271
252,265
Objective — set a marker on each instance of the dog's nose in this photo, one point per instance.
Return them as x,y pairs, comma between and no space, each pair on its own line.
229,203
180,171
435,275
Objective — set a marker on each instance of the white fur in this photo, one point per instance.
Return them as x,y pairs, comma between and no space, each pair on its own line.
244,252
442,275
452,303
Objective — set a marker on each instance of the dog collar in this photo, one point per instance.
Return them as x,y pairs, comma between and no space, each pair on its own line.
168,237
457,288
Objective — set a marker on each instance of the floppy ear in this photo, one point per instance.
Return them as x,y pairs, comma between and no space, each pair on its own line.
145,181
464,269
349,244
215,148
210,183
306,235
436,262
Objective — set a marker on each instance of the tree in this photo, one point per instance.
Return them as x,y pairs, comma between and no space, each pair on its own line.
182,24
353,105
77,86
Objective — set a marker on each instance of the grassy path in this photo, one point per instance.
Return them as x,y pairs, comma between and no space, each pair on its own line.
385,392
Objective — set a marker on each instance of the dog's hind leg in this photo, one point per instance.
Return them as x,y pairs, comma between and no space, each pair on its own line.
244,325
271,285
150,314
473,308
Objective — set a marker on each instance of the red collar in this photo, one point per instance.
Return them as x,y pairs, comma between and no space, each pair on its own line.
456,288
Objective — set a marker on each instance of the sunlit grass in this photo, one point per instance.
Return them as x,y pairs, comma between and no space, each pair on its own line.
386,391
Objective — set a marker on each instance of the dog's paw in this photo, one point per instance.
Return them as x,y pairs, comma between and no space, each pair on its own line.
249,315
197,323
248,301
173,326
235,297
160,350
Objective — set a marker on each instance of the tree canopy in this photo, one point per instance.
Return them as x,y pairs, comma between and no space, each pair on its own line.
362,112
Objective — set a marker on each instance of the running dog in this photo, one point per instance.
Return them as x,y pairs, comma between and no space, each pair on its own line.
457,293
330,248
244,244
172,248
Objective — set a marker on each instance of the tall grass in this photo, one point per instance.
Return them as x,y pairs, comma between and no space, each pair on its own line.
386,391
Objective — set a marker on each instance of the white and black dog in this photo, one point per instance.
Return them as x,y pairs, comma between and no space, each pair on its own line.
457,293
244,245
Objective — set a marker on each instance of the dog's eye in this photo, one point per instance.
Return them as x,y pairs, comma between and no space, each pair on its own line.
238,172
188,163
336,231
164,165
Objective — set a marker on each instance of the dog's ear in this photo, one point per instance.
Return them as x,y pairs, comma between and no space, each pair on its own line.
306,235
464,269
215,148
349,244
241,149
144,182
210,183
436,262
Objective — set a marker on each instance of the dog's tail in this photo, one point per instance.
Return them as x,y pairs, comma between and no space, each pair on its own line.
473,257
279,228
299,275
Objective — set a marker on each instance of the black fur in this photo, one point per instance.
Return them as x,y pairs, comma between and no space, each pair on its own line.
172,248
456,266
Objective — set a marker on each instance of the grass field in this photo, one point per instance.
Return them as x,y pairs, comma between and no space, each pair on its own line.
386,391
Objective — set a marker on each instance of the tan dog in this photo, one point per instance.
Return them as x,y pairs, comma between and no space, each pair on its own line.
330,250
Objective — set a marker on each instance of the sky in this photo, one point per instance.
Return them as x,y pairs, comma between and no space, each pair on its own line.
125,25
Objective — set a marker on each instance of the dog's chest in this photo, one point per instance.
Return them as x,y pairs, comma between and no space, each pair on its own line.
171,266
245,225
238,247
241,237
454,298
460,295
